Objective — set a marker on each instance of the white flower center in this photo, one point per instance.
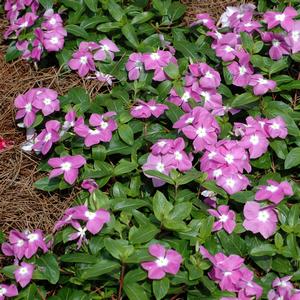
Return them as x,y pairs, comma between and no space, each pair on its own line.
152,108
248,24
229,158
14,7
262,81
227,274
54,40
208,75
23,271
162,262
28,107
217,173
212,154
48,137
230,182
83,60
205,95
82,231
32,237
160,167
155,56
272,188
204,21
263,216
103,125
201,132
223,218
3,291
228,49
242,70
23,25
138,107
47,101
295,35
275,43
254,139
161,144
105,48
52,21
189,120
186,96
275,126
94,131
280,17
90,215
178,155
66,166
20,243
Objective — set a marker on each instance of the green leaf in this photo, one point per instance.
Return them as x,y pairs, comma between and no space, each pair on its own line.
143,234
188,49
263,250
279,65
130,34
92,22
161,206
176,11
115,10
280,148
124,167
180,211
109,26
134,291
172,71
258,46
46,184
79,258
101,268
130,204
292,159
46,3
77,31
244,99
142,17
135,275
292,85
159,175
174,112
119,249
48,268
12,53
126,134
92,5
162,6
160,288
247,41
233,243
293,218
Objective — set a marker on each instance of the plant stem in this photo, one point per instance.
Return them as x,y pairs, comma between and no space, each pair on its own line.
121,282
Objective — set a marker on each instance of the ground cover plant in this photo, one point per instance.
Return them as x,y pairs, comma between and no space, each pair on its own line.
188,159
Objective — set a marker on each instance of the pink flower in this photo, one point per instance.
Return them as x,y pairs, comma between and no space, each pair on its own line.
205,20
46,100
68,218
23,273
52,20
274,191
146,109
260,220
212,101
232,183
156,60
8,291
83,62
203,130
225,52
226,218
160,163
104,127
241,73
95,220
279,46
183,100
105,78
47,137
107,49
167,261
276,128
80,234
285,19
293,38
67,165
90,185
24,104
69,120
134,66
54,39
261,85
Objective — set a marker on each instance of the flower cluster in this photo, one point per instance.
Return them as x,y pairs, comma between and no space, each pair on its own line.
232,275
22,244
94,222
35,100
85,58
103,125
144,110
283,289
167,155
155,62
263,219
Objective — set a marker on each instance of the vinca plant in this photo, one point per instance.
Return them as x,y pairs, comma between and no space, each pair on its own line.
187,160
